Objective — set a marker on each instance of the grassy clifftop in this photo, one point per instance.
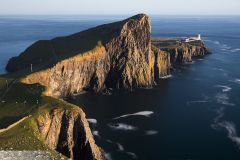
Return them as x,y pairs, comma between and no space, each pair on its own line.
18,100
45,53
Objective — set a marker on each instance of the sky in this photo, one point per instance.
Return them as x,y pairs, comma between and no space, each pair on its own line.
119,7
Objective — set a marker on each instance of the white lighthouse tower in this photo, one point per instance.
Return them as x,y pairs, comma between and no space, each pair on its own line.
199,37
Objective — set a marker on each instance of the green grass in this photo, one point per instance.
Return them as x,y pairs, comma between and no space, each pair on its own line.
17,100
165,42
171,42
25,136
46,53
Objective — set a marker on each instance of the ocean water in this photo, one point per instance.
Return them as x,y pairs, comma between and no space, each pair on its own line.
191,115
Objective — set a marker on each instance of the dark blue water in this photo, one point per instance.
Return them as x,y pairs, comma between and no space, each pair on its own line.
192,115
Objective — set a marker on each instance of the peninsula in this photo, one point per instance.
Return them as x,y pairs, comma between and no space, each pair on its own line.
120,55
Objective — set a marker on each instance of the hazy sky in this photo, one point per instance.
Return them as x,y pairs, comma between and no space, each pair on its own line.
166,7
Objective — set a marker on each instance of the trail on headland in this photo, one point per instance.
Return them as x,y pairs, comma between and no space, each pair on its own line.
14,124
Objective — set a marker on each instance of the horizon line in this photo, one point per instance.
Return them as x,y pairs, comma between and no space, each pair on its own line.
119,14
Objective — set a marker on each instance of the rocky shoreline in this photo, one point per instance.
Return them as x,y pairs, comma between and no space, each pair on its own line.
119,55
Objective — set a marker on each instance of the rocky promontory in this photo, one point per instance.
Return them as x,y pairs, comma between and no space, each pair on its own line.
118,55
181,52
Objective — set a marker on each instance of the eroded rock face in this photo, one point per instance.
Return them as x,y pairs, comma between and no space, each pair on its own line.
162,63
185,52
125,60
68,132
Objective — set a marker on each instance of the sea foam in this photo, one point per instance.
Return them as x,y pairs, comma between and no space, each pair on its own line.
142,113
122,126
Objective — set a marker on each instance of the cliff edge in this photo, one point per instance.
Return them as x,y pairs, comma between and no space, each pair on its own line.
119,55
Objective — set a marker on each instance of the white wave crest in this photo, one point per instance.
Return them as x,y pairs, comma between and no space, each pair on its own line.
224,88
166,77
223,98
237,80
96,133
224,46
219,69
122,126
108,156
151,132
120,147
91,120
232,132
133,155
235,50
142,113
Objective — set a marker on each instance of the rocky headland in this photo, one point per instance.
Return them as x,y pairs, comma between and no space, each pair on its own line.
119,55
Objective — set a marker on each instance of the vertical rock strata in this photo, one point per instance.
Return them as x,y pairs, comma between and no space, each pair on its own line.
185,52
68,132
123,60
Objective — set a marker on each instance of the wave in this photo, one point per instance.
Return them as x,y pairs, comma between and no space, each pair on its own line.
224,46
108,156
133,155
151,132
236,80
96,133
166,77
219,69
142,113
80,93
235,50
223,98
215,42
120,147
224,88
220,115
91,120
122,126
232,131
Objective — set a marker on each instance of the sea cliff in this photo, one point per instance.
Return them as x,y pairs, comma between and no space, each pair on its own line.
118,55
67,131
123,60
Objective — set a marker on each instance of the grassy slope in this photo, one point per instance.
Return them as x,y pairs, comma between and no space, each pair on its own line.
17,101
46,53
25,136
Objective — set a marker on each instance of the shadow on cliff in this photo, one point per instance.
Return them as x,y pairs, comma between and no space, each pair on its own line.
46,53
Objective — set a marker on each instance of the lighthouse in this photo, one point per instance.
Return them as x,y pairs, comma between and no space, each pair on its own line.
199,37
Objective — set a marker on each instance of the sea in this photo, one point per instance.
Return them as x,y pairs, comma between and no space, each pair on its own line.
192,114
